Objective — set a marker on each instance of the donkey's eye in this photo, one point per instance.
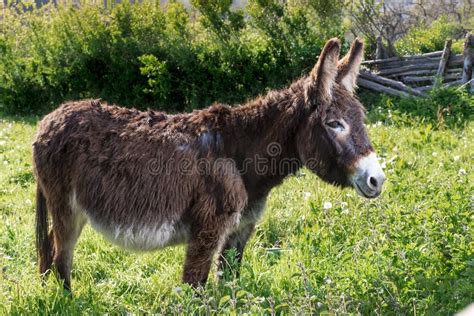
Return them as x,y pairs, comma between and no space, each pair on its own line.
335,125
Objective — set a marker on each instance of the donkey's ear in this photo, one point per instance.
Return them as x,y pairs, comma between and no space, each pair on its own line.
322,78
348,67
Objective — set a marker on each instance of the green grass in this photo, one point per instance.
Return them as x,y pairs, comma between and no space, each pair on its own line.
408,252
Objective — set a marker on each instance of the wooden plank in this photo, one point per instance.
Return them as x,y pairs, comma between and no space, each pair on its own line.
387,82
403,63
467,73
450,76
444,58
408,60
454,70
472,82
410,79
380,88
453,83
453,61
446,85
416,79
402,69
436,53
377,61
414,73
424,88
407,57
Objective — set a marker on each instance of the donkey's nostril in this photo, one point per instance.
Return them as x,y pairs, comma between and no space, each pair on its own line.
368,177
373,182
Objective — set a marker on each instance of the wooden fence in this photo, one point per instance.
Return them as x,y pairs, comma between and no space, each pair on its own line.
417,74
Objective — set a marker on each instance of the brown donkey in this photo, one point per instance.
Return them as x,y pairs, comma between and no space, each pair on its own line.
147,180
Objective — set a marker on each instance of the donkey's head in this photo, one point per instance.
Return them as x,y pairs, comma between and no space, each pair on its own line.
333,141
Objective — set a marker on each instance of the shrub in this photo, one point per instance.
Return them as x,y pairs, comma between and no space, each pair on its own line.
425,39
148,55
442,108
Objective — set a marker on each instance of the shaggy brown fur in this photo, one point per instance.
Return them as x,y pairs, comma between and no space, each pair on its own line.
147,179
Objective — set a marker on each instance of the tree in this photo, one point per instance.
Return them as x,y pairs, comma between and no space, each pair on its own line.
387,21
378,20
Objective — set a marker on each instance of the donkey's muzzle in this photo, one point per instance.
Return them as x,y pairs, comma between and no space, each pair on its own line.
368,177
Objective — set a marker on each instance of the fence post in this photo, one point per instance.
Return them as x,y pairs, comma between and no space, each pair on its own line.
467,73
380,50
472,82
443,62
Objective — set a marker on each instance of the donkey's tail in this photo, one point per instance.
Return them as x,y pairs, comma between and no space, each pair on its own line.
43,243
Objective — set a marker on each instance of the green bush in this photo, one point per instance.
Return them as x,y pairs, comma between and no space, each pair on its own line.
442,108
430,38
148,55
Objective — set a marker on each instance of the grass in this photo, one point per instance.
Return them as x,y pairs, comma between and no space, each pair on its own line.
408,252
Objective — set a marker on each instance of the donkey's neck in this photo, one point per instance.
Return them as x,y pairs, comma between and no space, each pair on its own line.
261,138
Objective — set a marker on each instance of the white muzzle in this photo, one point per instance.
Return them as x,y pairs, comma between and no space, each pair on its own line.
368,177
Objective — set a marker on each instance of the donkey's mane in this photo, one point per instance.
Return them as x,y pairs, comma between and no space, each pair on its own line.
256,112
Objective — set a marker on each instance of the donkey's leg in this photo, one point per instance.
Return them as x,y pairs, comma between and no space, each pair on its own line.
67,227
239,238
201,249
230,266
215,215
204,242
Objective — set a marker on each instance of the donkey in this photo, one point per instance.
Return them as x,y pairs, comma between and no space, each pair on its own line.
137,177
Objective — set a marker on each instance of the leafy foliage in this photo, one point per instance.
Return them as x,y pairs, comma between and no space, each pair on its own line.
148,55
430,38
443,108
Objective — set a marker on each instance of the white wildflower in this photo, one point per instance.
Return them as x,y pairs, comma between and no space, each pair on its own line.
306,195
462,172
177,290
456,158
327,205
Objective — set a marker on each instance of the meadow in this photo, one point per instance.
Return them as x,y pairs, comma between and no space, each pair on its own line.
318,249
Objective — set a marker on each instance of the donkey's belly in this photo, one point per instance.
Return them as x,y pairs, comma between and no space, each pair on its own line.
142,237
138,235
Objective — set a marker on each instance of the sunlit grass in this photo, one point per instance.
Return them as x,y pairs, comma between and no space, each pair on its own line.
317,249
